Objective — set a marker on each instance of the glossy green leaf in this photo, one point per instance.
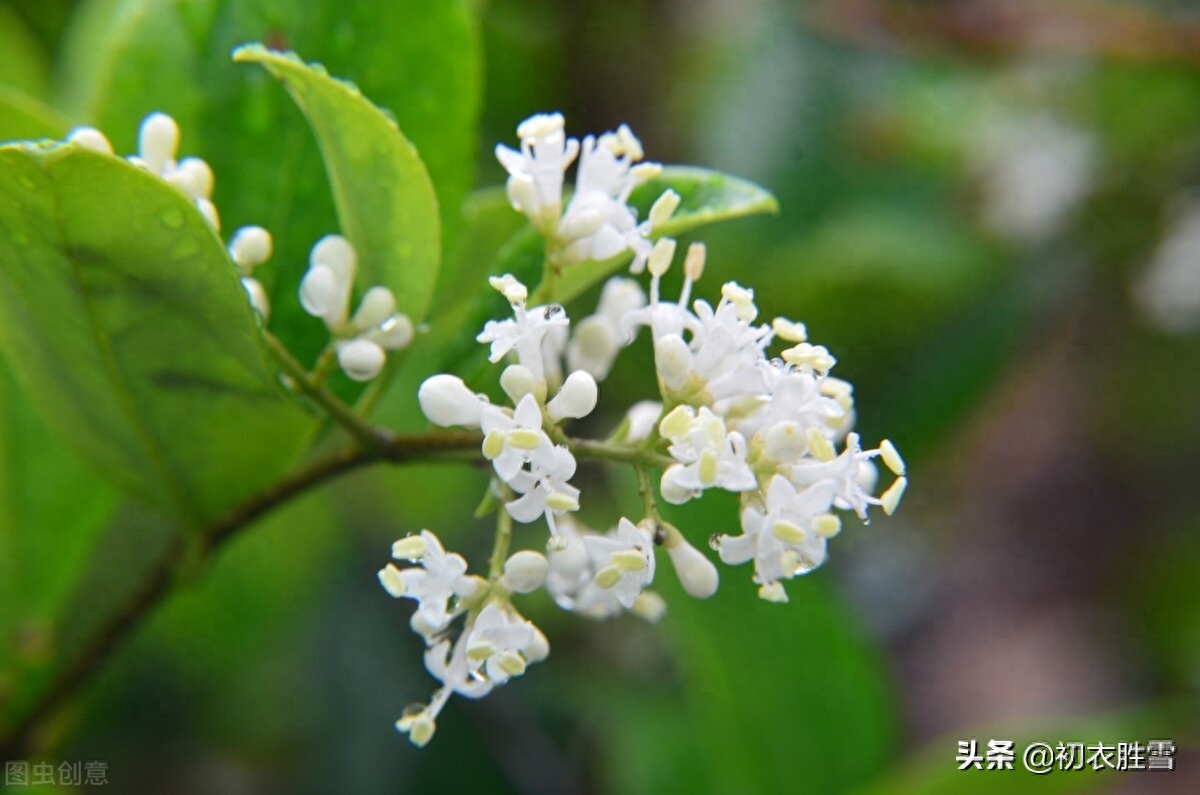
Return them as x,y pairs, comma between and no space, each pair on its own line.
45,540
125,320
385,200
127,58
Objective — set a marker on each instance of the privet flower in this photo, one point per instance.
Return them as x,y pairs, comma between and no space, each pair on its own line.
775,429
361,340
598,223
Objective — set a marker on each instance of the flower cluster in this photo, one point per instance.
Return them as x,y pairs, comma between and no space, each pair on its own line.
773,429
158,147
598,222
361,340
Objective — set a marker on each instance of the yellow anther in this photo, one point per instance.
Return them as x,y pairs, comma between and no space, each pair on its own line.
511,663
891,457
827,525
890,499
609,576
819,446
480,651
629,560
493,444
410,548
787,532
676,424
562,502
523,438
708,468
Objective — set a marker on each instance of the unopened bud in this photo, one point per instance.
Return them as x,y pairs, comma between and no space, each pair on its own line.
577,397
251,246
525,571
90,138
446,400
361,359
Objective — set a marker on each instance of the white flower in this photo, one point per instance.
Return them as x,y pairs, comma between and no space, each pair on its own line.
598,223
623,561
544,489
496,643
535,180
786,535
597,339
440,579
845,471
513,440
707,454
525,332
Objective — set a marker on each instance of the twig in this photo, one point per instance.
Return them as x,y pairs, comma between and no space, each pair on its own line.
157,585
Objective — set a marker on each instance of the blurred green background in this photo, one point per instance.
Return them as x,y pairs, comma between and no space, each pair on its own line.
990,215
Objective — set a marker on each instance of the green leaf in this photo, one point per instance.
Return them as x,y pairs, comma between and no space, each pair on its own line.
24,118
385,201
127,58
124,318
45,540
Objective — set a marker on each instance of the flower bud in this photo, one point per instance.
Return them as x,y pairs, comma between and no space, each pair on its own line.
158,140
673,360
199,177
785,442
696,573
394,333
361,359
377,305
642,417
209,211
319,292
576,398
258,296
446,401
525,571
250,247
517,381
593,347
90,138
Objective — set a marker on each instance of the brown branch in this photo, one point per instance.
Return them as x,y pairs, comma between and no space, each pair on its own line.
157,585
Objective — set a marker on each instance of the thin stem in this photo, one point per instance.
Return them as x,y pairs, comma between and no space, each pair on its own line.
609,451
158,584
646,492
504,530
326,363
339,412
